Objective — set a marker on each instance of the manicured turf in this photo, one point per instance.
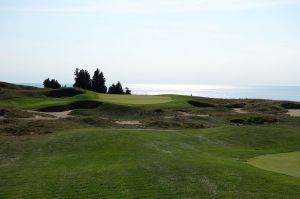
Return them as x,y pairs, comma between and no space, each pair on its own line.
112,163
286,163
37,161
134,99
42,101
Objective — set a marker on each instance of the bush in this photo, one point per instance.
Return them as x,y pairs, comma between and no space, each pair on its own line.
238,105
254,120
238,121
290,105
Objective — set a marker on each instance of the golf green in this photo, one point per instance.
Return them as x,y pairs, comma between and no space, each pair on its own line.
285,163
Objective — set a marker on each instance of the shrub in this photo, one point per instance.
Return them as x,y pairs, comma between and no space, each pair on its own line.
237,121
238,105
290,105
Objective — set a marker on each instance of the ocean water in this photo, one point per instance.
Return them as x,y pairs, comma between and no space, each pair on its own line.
216,91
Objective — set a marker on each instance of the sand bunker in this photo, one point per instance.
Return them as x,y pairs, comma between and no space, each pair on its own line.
132,122
240,110
294,112
49,115
192,115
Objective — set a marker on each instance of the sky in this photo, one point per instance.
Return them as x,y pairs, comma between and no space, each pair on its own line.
221,42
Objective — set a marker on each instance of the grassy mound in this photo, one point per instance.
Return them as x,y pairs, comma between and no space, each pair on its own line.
72,106
16,87
116,163
285,163
64,92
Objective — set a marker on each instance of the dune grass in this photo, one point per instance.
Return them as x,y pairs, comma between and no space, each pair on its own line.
285,163
112,163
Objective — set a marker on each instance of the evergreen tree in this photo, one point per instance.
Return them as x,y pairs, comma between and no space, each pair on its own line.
47,83
54,84
116,89
51,83
98,82
127,91
82,79
112,89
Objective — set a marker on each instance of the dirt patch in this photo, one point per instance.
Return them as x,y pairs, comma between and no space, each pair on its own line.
240,110
200,104
72,106
294,112
132,122
186,114
65,92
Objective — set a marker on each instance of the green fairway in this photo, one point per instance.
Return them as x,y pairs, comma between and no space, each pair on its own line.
40,101
110,148
134,99
286,163
112,163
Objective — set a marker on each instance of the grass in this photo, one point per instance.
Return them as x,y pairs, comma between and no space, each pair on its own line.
72,158
286,163
134,99
41,101
112,163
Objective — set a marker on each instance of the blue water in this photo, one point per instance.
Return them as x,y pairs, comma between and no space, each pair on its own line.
251,92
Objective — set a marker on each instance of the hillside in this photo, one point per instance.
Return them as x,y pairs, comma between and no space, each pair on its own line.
73,143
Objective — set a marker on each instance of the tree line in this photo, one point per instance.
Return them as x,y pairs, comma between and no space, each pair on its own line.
96,83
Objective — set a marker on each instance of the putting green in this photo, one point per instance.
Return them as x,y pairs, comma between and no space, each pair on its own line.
285,163
134,99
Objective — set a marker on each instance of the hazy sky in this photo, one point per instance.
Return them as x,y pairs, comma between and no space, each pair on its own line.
152,41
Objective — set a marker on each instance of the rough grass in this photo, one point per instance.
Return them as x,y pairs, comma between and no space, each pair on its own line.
286,163
114,163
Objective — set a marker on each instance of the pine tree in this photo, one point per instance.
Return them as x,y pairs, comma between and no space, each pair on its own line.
51,83
112,89
47,83
127,91
98,82
116,89
82,79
